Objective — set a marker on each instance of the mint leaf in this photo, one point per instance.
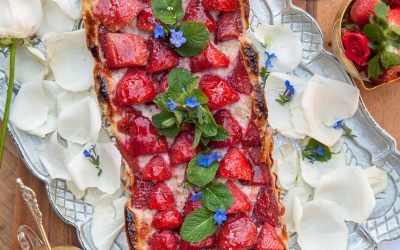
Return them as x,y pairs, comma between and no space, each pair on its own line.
199,175
310,151
161,101
200,96
389,59
165,122
197,36
171,132
159,118
381,10
179,78
198,225
374,67
216,195
168,11
197,137
221,135
374,32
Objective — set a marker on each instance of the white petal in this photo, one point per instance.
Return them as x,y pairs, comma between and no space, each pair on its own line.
94,194
282,41
286,162
80,122
377,178
72,8
68,98
313,172
70,61
322,227
31,106
302,194
49,126
75,191
19,18
108,220
30,64
54,19
279,116
338,145
324,134
84,174
349,188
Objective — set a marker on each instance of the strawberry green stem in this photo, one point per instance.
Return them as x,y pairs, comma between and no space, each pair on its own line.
13,48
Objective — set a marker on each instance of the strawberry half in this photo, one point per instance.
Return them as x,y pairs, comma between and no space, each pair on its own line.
239,79
147,21
161,197
181,150
209,58
170,219
134,87
241,203
165,240
266,207
160,82
116,14
207,243
156,169
221,5
361,10
145,139
195,12
127,115
218,91
229,26
161,57
140,192
224,118
234,165
191,206
252,136
394,16
125,50
238,232
268,239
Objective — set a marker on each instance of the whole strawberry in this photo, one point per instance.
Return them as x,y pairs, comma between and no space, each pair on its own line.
394,4
394,16
361,10
388,75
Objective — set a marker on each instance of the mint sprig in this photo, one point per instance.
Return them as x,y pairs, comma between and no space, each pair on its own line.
197,36
216,195
198,225
199,175
168,11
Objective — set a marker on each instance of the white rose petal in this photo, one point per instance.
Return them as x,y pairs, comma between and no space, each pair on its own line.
300,193
349,188
72,8
322,227
377,178
286,162
79,194
68,98
70,60
49,126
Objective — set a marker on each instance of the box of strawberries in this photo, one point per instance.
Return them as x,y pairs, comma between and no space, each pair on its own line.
366,40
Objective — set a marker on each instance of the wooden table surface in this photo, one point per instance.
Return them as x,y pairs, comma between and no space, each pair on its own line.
381,103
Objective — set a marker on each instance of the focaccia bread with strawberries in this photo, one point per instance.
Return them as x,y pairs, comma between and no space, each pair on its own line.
178,84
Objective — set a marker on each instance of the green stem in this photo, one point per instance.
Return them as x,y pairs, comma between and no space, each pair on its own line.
13,48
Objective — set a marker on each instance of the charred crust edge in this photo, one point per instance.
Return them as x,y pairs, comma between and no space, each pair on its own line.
130,227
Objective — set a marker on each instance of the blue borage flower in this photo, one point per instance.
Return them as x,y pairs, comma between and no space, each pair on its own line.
205,160
171,105
219,216
319,151
93,158
287,95
314,153
159,31
177,38
268,62
192,102
348,132
196,196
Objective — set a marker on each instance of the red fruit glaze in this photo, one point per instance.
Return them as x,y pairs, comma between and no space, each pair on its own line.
170,219
116,14
224,118
134,87
127,115
221,5
161,197
157,169
181,150
361,10
234,165
147,21
145,139
252,136
165,240
191,206
207,243
238,232
209,58
229,26
140,192
218,91
268,239
161,57
241,203
266,207
195,12
239,79
125,50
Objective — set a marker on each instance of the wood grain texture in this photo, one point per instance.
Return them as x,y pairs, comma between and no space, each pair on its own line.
381,103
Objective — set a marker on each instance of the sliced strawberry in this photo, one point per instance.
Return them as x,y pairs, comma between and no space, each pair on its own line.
134,87
388,75
145,139
260,175
127,115
125,50
252,136
170,219
146,4
164,239
209,58
162,83
195,12
218,91
221,5
181,150
141,192
224,118
239,78
268,239
234,165
191,206
394,16
255,154
229,26
241,203
207,243
266,208
147,21
361,10
238,232
116,14
161,197
124,147
157,169
161,57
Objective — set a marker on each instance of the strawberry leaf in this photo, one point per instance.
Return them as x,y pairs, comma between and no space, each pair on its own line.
374,67
381,10
216,196
389,59
374,32
198,225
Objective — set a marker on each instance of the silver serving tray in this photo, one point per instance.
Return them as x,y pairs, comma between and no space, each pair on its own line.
372,146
